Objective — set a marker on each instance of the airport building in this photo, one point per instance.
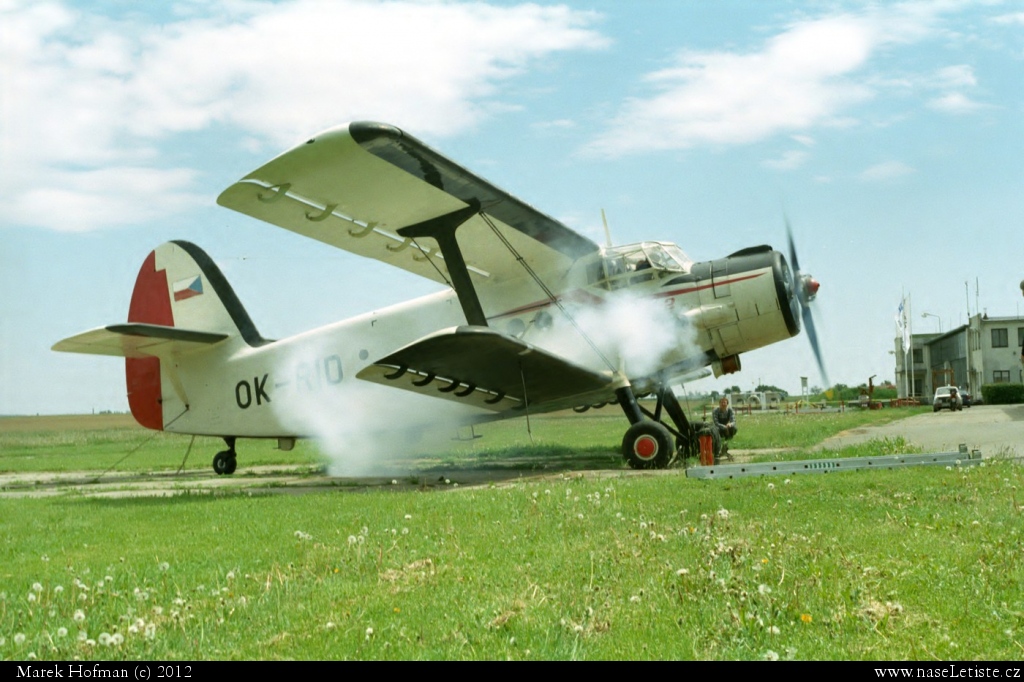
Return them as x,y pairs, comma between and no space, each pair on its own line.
986,350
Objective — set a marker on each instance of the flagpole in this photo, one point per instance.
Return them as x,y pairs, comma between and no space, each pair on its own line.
910,326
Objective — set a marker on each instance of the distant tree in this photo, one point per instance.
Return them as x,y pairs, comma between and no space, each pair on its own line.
736,389
767,388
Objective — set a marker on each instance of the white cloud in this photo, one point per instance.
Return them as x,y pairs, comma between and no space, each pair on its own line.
954,80
788,161
84,92
887,170
956,103
957,76
1012,19
804,77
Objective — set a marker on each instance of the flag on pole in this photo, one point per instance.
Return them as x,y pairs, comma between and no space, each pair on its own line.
903,325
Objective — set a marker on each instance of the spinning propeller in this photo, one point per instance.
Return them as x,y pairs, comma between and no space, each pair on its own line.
805,288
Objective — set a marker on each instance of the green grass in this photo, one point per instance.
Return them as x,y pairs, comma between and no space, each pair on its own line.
912,564
921,563
590,441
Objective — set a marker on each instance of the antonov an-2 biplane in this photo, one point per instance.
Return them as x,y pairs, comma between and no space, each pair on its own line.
196,364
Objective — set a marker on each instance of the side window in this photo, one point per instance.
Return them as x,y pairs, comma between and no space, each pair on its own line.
999,338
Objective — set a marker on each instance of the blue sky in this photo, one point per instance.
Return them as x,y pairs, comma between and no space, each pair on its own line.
891,135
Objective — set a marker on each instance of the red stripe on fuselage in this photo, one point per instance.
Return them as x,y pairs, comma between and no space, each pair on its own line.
581,295
151,304
677,292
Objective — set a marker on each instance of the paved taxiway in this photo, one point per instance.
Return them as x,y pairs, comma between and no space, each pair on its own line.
994,429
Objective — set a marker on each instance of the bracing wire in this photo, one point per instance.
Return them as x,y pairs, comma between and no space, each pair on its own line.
185,459
426,254
526,402
138,447
547,292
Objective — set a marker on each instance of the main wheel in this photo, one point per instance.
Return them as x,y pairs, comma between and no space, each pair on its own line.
225,463
648,445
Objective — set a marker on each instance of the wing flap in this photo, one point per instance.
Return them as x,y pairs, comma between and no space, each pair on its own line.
138,341
487,369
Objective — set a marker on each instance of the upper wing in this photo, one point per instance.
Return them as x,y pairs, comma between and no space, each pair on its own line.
355,186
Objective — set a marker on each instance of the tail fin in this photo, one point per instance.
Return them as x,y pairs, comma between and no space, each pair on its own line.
179,286
181,303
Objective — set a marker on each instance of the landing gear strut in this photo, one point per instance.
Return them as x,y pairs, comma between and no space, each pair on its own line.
648,443
225,462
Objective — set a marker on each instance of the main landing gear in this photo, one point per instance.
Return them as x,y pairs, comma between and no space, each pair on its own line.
649,443
225,462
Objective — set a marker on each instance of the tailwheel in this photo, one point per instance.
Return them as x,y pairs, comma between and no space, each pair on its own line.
648,445
225,462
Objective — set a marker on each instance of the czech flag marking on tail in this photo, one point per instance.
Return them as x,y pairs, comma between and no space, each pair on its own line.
188,288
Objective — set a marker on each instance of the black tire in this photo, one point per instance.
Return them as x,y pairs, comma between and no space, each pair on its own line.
648,445
224,463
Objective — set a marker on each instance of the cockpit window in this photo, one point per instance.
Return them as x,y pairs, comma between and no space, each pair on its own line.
638,262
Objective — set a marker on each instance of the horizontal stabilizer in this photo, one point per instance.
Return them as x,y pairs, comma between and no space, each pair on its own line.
484,368
136,340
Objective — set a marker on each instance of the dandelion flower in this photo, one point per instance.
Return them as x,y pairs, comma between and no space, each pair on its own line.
164,566
19,638
773,630
723,513
58,590
771,655
683,571
369,633
805,618
105,639
352,539
330,625
408,517
62,632
37,587
764,589
771,486
634,599
79,616
117,639
31,596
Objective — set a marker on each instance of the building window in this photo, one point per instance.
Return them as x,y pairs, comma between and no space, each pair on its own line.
1000,338
918,356
1001,376
1020,336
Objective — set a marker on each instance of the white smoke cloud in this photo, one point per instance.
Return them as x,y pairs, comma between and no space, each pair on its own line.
641,333
364,428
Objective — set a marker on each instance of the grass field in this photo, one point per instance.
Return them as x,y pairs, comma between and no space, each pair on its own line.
921,563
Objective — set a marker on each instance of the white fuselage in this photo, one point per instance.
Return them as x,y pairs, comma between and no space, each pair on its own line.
639,324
